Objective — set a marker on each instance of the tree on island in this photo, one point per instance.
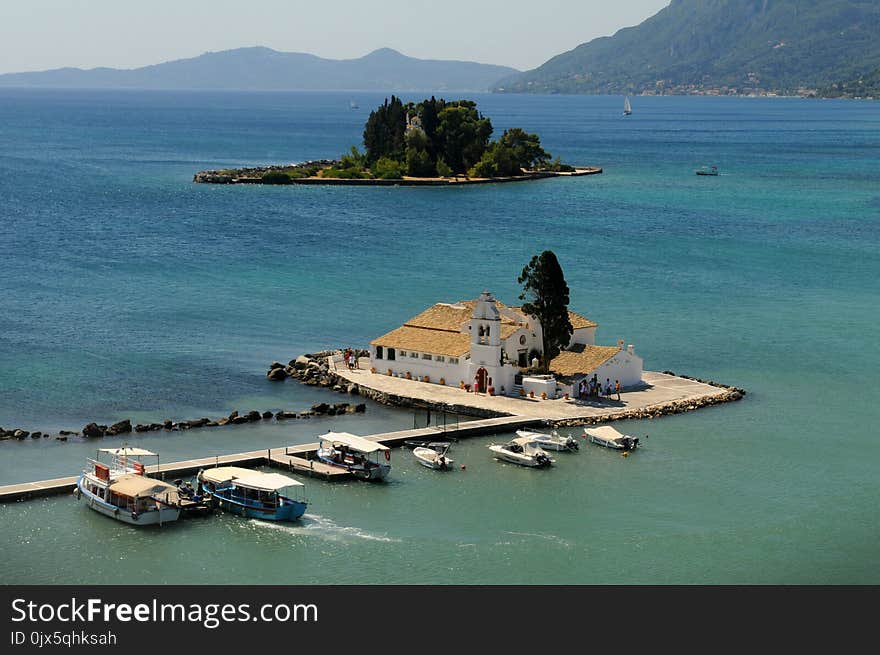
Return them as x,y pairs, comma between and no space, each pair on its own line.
546,292
440,138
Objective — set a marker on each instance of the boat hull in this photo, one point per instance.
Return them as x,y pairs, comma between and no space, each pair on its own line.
549,442
516,458
429,459
608,443
377,472
157,516
290,511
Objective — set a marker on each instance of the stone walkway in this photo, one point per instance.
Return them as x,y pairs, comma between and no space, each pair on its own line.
661,389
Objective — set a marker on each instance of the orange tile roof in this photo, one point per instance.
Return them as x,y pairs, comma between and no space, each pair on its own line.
578,321
434,342
581,359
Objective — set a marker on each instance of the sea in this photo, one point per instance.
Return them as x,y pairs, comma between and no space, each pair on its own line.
128,291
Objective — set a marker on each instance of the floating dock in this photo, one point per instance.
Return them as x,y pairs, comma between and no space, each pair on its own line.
297,459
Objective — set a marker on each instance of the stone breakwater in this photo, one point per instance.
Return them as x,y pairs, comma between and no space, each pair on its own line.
314,369
94,430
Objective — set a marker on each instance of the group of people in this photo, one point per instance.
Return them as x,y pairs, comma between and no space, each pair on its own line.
350,357
593,388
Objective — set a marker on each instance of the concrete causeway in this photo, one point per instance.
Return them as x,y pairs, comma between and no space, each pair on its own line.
661,390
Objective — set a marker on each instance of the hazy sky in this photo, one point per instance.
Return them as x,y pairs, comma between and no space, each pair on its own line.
43,34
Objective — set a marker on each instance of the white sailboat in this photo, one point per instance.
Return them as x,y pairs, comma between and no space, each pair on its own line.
627,108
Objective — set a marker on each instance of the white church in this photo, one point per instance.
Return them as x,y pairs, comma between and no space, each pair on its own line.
483,345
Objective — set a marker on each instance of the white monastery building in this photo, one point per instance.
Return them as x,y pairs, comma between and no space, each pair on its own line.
484,345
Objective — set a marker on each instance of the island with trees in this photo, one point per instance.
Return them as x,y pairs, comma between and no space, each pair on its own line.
433,142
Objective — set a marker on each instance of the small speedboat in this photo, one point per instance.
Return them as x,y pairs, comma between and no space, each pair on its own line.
523,451
553,441
708,170
434,456
605,435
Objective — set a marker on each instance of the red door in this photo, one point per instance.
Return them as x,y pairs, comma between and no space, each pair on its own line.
481,380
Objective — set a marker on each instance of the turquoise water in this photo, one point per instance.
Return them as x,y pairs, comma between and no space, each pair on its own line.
128,291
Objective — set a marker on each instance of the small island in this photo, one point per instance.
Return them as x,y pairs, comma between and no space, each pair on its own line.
433,142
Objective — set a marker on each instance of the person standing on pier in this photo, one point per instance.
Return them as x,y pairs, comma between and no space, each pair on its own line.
617,389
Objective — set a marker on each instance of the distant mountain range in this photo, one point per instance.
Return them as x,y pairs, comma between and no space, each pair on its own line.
261,68
721,46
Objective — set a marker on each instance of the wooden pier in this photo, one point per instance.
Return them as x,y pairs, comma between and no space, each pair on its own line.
297,459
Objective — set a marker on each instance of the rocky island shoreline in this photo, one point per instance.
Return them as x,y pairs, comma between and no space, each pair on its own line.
292,174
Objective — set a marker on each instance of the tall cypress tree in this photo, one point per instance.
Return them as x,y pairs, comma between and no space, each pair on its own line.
546,291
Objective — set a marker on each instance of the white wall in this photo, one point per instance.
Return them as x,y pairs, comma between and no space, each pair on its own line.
586,336
400,366
624,366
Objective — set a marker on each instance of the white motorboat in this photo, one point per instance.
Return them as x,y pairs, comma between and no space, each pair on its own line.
434,456
605,435
355,454
120,489
552,441
523,451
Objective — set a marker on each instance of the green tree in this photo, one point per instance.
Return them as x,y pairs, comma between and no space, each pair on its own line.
385,130
525,148
443,169
546,293
387,169
498,161
463,134
418,159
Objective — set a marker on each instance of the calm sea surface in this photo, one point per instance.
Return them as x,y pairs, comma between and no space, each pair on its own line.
129,291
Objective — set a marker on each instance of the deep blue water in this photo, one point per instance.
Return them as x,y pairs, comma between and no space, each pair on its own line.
129,291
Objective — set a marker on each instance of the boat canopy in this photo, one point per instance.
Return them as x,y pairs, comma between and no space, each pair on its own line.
266,481
137,486
129,452
523,441
221,474
355,442
604,432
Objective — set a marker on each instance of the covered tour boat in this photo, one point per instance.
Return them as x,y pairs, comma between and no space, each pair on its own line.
119,488
253,494
363,458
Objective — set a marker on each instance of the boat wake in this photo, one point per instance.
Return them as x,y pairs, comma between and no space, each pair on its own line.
548,537
320,526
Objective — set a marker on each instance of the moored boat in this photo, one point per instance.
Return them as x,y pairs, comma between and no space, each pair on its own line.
553,441
358,456
523,451
434,456
253,494
119,488
605,435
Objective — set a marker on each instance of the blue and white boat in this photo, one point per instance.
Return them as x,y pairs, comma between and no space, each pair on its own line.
119,488
253,494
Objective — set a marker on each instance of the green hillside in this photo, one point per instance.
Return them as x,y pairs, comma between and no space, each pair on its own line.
726,46
865,86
